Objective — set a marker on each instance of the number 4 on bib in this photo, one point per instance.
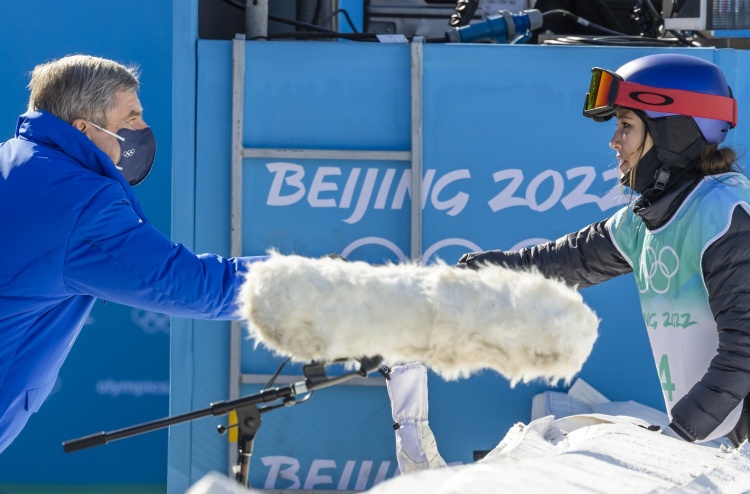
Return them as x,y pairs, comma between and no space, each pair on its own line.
665,376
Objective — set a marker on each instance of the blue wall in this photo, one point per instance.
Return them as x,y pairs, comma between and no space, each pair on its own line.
117,374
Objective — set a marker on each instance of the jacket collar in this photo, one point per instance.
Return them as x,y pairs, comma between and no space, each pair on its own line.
656,214
46,129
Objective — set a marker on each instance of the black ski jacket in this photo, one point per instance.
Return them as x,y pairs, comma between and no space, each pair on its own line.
589,257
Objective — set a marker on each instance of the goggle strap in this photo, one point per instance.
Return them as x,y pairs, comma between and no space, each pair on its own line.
640,97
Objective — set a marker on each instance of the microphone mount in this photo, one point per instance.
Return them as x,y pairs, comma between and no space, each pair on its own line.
246,409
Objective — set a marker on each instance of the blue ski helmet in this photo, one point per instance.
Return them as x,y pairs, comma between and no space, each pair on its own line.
666,85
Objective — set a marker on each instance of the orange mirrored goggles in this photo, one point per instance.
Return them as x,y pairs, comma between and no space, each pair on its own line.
608,90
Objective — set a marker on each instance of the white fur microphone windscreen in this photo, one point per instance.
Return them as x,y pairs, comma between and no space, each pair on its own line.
455,321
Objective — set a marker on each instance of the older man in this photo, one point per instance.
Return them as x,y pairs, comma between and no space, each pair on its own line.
73,231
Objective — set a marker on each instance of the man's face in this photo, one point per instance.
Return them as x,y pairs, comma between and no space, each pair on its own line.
127,114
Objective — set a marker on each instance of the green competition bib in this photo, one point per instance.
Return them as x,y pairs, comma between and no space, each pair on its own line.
667,268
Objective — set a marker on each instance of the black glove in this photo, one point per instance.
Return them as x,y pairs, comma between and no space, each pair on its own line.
476,260
472,260
741,431
463,262
671,432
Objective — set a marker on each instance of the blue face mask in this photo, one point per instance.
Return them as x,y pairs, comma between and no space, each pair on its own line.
137,152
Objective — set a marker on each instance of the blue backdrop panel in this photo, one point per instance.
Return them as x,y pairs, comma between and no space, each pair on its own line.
356,97
508,161
363,205
117,374
332,442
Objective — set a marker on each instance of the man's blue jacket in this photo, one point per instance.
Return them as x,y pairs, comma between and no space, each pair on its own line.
71,232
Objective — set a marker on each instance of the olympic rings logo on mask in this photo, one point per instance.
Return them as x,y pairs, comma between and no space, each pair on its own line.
658,271
128,153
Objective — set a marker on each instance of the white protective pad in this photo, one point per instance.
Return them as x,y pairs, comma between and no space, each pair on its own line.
456,321
416,448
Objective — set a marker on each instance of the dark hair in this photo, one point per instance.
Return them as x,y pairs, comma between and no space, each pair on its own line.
634,169
715,160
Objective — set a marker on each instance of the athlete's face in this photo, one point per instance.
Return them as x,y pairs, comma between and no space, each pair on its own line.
630,140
